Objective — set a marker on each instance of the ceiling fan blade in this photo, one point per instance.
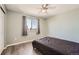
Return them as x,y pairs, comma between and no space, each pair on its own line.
44,5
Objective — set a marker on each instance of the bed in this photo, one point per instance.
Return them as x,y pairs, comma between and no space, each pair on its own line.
55,46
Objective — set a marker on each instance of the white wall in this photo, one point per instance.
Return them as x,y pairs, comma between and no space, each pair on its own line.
65,26
14,28
4,17
1,31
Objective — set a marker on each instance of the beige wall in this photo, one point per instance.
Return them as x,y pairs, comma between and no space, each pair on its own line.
65,26
14,28
5,27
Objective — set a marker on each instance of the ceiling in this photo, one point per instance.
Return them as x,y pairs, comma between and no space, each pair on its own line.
34,9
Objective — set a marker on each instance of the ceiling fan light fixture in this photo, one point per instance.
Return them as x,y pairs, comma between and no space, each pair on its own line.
44,10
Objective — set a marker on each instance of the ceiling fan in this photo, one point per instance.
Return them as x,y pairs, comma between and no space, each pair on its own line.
45,7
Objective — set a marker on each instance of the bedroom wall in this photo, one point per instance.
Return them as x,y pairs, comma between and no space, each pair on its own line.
65,26
2,28
14,29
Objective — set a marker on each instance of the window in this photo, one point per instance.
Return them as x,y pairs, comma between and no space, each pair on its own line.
30,23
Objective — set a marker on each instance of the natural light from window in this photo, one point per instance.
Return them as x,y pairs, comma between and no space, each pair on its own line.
31,23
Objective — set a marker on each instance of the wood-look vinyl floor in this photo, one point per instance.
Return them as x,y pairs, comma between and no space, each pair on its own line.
20,49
